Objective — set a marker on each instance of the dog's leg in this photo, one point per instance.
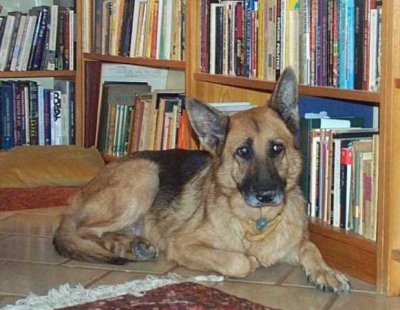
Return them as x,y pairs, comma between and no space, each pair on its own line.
203,258
97,227
317,271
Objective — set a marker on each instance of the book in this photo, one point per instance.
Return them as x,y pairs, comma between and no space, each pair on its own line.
306,126
6,41
115,93
7,115
92,95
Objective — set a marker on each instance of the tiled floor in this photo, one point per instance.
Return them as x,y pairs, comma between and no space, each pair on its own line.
28,263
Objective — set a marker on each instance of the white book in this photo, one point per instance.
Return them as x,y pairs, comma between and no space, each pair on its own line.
213,15
26,107
373,50
23,58
165,51
18,42
51,64
56,122
5,42
142,32
159,27
135,25
65,123
40,96
71,16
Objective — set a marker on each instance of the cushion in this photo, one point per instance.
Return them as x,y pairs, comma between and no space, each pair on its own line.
64,165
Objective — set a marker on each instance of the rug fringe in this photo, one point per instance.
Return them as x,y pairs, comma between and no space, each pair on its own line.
67,295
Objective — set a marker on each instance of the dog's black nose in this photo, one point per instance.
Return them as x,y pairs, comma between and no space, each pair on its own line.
270,197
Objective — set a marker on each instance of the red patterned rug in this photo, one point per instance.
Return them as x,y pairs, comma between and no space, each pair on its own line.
12,199
181,296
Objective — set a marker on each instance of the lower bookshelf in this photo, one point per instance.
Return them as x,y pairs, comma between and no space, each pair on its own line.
346,251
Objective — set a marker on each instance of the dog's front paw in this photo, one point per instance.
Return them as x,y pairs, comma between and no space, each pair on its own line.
329,280
143,250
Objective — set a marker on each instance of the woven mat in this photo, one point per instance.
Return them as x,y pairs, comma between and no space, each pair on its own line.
175,296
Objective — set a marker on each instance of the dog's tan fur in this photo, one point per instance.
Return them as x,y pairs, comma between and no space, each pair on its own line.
206,224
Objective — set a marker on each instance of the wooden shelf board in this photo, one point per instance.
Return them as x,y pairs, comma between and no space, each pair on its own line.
38,73
345,251
157,63
367,97
396,255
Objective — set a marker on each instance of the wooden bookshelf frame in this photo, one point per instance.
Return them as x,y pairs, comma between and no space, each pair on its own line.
375,262
148,62
305,90
37,74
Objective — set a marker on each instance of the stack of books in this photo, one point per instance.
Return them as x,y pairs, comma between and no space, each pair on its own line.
43,39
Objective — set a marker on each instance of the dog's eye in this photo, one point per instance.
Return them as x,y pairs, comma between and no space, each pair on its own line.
243,152
277,148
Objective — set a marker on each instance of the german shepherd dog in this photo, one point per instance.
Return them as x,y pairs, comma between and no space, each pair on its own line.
230,208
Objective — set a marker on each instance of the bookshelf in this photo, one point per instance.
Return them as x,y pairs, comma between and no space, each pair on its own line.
374,262
49,75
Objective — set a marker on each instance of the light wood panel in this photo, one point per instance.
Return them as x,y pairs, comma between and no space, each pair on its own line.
33,74
389,164
157,63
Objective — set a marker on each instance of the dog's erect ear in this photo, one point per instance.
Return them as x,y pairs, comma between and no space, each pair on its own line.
209,124
285,97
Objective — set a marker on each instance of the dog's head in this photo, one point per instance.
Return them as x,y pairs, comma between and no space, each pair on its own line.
257,148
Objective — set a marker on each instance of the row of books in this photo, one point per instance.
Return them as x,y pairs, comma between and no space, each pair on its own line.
135,28
328,42
341,173
133,118
34,115
42,39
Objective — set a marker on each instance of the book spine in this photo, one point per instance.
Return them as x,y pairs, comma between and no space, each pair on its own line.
278,40
33,113
13,40
18,43
47,117
5,42
35,39
40,95
359,52
7,123
55,110
51,63
350,45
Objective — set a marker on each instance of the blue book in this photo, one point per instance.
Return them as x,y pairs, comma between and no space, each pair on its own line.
7,115
350,44
339,109
342,50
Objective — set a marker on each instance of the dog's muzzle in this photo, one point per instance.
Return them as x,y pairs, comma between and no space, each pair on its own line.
267,197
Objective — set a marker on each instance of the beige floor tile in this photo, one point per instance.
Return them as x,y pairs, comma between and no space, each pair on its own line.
157,266
9,299
29,224
22,278
27,248
290,298
44,211
117,277
270,275
297,278
4,214
366,301
184,272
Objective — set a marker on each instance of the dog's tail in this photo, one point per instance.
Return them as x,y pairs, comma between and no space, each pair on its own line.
69,243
